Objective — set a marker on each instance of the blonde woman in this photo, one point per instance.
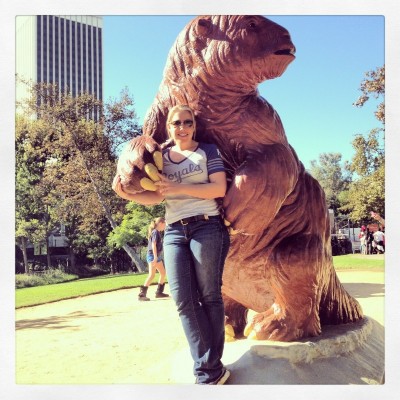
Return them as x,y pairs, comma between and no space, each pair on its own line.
196,241
153,257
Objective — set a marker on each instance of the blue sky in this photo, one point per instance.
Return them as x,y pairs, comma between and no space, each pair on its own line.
314,97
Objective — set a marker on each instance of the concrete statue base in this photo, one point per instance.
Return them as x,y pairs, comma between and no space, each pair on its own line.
343,354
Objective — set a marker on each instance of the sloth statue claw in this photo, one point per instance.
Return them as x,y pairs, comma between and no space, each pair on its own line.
270,325
280,262
229,333
229,227
139,165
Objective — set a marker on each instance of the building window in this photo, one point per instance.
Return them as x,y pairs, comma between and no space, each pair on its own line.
44,51
68,60
73,57
56,51
100,65
84,57
62,46
90,67
79,57
95,54
51,50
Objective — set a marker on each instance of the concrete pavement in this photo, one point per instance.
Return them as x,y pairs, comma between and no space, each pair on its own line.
112,338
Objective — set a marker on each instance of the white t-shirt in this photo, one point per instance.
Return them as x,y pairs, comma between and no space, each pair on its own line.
204,161
378,236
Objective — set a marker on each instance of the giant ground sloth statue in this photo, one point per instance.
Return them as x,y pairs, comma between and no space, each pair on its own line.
280,261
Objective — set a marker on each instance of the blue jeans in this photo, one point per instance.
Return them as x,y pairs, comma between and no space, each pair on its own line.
194,256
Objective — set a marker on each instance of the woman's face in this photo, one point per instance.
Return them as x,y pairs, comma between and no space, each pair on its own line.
161,226
181,127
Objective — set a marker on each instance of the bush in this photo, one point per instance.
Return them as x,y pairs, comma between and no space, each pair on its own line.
89,271
44,278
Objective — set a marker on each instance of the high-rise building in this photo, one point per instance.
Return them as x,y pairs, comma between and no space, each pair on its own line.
61,49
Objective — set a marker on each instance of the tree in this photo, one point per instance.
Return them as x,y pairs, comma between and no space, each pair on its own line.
374,85
367,192
31,215
332,177
79,155
133,228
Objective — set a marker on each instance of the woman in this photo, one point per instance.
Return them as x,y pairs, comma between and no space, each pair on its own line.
196,241
363,242
153,257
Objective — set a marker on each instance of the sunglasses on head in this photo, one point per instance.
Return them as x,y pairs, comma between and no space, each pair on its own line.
187,122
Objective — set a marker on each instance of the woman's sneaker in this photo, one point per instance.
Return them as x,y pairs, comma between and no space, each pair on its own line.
225,374
224,377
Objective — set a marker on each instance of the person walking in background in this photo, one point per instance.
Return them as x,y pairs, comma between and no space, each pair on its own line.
363,240
196,241
154,259
379,241
369,240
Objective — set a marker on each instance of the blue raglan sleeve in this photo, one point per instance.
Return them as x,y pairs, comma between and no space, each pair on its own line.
214,159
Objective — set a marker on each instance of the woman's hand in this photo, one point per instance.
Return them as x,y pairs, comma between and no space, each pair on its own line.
117,187
146,197
166,186
215,188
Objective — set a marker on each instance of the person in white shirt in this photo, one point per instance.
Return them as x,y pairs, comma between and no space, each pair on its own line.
379,237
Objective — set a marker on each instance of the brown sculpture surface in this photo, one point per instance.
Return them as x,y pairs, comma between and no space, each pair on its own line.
280,261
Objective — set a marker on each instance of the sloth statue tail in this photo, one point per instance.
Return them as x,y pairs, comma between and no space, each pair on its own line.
337,306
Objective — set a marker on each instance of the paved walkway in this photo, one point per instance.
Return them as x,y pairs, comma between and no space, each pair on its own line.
112,338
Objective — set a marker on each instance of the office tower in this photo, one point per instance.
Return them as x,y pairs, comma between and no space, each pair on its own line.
66,50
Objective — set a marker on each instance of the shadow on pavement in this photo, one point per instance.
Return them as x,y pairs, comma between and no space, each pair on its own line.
365,290
54,321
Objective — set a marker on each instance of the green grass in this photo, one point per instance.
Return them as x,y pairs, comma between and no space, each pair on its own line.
46,278
46,294
360,262
82,287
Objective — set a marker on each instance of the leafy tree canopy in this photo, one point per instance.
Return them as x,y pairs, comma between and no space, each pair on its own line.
133,228
332,176
367,192
66,159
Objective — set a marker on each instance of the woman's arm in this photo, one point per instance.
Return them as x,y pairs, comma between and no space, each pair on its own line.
154,248
146,198
215,188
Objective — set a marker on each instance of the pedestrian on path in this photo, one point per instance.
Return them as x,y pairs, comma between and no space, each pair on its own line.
154,259
363,240
379,238
370,240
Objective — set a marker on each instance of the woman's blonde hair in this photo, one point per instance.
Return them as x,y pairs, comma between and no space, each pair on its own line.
175,109
153,225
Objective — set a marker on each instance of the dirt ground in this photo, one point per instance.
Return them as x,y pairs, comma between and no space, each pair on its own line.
111,338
